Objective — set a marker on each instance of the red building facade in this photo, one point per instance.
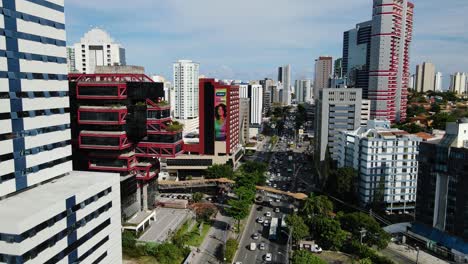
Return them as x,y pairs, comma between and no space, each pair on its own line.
121,124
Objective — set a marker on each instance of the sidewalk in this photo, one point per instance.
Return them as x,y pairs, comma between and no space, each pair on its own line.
402,254
213,240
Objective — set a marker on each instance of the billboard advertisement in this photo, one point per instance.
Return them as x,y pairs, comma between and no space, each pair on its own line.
220,114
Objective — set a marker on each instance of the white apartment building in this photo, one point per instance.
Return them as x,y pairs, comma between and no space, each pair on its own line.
255,93
386,160
43,217
71,59
97,48
365,112
72,219
458,83
302,90
284,77
186,73
336,109
438,82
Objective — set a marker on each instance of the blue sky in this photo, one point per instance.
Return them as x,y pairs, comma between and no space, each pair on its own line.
249,39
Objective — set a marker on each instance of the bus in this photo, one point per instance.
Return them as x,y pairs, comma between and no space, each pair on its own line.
273,229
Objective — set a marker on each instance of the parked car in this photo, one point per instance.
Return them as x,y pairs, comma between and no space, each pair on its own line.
253,246
260,220
267,257
262,246
268,214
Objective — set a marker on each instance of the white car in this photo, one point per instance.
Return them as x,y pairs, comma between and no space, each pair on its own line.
277,200
255,236
266,223
267,257
277,210
260,220
316,249
262,246
253,246
268,214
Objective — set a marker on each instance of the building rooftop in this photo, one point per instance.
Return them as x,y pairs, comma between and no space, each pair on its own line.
31,207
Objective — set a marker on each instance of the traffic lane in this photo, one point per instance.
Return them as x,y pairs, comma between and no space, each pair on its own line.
246,255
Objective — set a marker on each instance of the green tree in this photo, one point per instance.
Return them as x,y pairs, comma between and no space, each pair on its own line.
435,107
298,227
220,171
245,193
365,261
239,209
328,232
197,197
306,257
355,222
168,253
231,247
342,183
415,110
441,119
317,205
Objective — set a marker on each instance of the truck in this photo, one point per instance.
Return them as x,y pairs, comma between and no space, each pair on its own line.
273,234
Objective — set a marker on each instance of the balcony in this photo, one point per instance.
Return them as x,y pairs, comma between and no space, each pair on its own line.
100,91
102,115
164,128
146,171
157,104
109,164
154,149
103,140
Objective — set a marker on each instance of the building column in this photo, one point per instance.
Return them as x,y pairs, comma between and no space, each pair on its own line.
145,197
139,197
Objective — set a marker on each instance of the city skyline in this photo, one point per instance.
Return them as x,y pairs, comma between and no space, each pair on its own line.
234,48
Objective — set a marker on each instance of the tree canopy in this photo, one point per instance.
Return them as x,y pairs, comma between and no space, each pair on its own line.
328,232
306,257
317,205
299,228
355,222
220,171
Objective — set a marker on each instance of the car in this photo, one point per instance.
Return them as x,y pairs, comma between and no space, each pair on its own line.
277,210
267,257
260,220
255,236
277,200
275,186
266,223
253,246
316,249
262,246
238,262
270,200
268,214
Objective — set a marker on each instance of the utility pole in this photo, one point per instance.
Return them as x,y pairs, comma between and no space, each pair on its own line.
417,255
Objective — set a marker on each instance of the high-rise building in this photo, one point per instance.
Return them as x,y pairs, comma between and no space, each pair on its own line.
123,125
218,140
392,31
425,77
71,59
338,68
97,48
411,83
441,207
255,93
323,71
49,213
336,109
458,83
186,89
386,161
284,77
267,85
356,56
302,89
244,121
438,82
365,112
